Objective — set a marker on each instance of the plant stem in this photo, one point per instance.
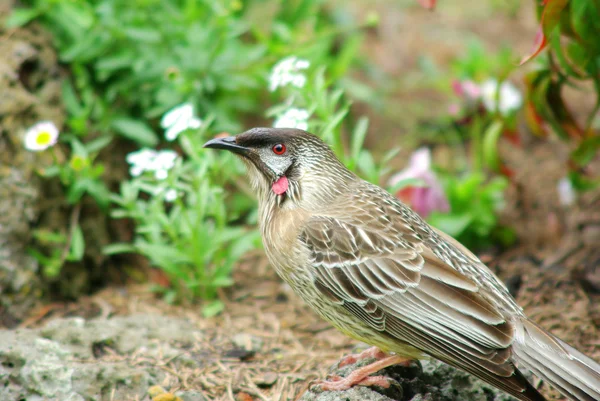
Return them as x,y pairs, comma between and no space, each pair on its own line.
73,222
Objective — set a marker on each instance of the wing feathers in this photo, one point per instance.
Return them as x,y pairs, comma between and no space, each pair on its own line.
394,284
467,302
439,270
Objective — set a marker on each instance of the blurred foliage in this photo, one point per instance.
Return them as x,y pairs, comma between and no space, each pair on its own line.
484,109
189,236
474,203
131,62
570,29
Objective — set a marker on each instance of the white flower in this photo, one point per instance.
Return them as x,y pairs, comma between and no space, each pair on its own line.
510,98
168,195
165,159
41,136
163,162
566,192
140,161
179,119
150,160
293,118
171,195
288,71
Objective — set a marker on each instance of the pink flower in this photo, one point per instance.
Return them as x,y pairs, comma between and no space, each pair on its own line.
454,109
423,199
466,88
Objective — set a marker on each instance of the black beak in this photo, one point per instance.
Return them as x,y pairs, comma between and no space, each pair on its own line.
227,144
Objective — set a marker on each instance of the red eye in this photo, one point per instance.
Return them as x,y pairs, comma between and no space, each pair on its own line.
279,149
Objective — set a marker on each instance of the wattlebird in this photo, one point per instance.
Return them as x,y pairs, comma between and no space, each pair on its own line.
378,272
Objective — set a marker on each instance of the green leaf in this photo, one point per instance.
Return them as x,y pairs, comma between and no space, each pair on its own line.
212,309
328,132
136,131
490,144
222,281
78,148
114,249
51,171
584,24
21,16
146,35
162,255
559,52
77,190
586,151
358,137
77,245
98,144
582,183
551,15
70,100
453,225
49,237
367,166
98,190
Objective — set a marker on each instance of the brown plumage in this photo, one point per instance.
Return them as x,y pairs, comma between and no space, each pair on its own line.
373,268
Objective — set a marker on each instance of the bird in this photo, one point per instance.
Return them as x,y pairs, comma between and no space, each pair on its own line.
379,273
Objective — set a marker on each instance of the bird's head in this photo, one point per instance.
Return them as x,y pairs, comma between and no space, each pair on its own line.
287,164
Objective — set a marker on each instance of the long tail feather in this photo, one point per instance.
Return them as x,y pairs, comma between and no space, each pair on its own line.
572,373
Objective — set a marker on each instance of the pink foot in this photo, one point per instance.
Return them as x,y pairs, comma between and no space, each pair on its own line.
360,376
338,383
372,352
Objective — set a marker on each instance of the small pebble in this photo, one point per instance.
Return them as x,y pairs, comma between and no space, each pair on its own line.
242,396
156,390
157,393
267,380
190,395
166,397
247,342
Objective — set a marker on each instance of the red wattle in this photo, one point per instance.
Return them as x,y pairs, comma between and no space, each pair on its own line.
281,185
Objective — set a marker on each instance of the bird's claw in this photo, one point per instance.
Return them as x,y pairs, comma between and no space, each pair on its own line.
338,383
372,352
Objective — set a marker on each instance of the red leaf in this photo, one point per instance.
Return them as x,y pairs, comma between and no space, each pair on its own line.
551,14
540,43
406,194
534,121
507,172
549,20
513,137
428,4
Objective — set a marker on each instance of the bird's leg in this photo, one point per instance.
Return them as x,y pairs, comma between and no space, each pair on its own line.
360,376
372,352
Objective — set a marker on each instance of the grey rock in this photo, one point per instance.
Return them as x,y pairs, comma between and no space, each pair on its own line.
247,342
190,395
47,374
268,379
64,360
358,393
420,381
